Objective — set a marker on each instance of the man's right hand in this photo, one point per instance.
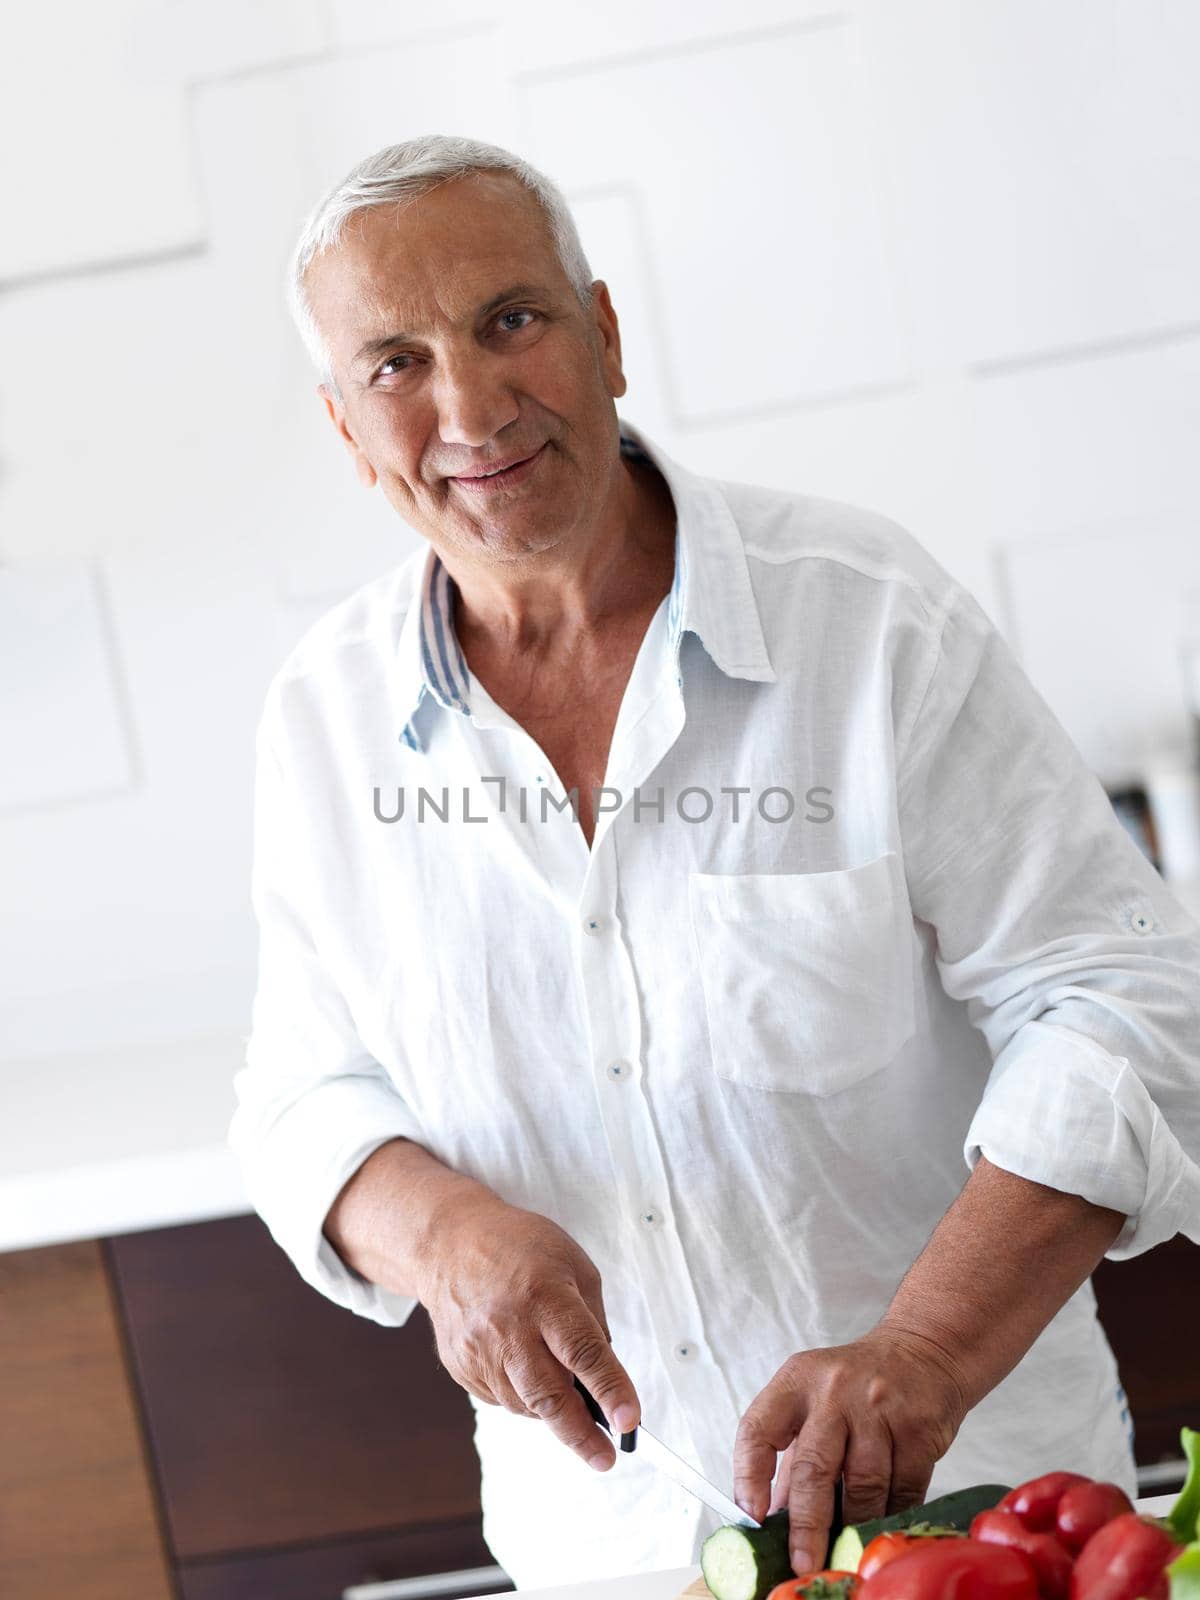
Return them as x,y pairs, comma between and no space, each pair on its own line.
517,1311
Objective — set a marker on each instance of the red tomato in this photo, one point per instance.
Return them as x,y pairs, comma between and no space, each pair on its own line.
1036,1502
1084,1510
1050,1560
885,1547
1125,1560
817,1586
962,1568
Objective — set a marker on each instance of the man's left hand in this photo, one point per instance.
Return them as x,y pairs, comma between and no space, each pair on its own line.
876,1413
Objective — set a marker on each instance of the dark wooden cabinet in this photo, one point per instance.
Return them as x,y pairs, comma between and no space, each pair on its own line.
78,1512
278,1419
1150,1309
183,1418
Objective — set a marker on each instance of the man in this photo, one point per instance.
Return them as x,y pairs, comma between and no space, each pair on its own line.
671,1090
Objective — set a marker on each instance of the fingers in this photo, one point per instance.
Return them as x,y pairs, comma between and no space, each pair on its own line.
910,1480
867,1472
869,1419
771,1422
816,1467
546,1391
520,1349
581,1344
493,1390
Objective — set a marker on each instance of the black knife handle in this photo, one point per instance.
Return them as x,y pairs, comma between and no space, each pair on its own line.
628,1440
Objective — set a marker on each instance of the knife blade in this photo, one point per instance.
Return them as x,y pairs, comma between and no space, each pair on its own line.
675,1467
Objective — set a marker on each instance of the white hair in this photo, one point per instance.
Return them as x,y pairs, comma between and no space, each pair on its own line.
400,172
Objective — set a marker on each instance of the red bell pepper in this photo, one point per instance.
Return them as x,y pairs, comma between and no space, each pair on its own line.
1125,1560
885,1547
1050,1560
955,1569
1036,1502
1084,1510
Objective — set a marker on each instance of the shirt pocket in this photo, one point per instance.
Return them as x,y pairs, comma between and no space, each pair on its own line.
807,977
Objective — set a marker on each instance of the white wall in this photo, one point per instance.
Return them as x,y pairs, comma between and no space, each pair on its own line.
938,257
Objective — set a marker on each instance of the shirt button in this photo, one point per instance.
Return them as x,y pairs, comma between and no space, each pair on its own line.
652,1218
595,925
1140,922
685,1350
619,1071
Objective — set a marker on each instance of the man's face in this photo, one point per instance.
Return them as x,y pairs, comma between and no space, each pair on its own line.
437,381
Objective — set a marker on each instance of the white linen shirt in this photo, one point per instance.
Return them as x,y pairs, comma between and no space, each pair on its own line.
855,911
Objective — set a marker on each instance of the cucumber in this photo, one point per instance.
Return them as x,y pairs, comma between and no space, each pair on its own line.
957,1510
746,1563
741,1563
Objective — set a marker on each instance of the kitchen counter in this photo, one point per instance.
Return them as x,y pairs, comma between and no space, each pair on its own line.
117,1137
96,1199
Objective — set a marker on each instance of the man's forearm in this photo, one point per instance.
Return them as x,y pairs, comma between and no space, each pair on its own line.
1003,1260
384,1223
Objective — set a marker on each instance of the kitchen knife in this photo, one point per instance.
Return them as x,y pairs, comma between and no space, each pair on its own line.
675,1468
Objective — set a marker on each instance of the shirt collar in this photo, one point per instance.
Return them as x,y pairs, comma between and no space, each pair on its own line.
711,596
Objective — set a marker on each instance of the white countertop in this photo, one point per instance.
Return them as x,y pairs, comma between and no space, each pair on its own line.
116,1136
666,1585
96,1199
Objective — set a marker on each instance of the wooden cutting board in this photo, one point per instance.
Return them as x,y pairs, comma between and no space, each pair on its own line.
697,1590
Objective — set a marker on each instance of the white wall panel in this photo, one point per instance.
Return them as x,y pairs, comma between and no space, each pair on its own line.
1068,445
184,40
548,33
64,731
1097,638
1043,166
96,157
138,908
771,283
100,373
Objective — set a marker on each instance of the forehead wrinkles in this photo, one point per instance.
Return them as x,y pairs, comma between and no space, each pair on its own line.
392,306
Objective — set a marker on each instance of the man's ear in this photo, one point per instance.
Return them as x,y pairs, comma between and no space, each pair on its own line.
608,337
367,475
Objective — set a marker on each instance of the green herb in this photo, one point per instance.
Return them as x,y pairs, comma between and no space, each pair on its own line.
1184,1573
1184,1515
827,1589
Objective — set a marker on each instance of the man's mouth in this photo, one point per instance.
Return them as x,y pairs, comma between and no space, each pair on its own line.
498,476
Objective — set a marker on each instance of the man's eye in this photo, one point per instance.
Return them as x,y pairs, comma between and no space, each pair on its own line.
392,361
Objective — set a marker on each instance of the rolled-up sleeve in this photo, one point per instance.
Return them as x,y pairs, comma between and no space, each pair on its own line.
1073,958
312,1104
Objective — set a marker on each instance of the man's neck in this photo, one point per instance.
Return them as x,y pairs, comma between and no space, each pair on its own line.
561,596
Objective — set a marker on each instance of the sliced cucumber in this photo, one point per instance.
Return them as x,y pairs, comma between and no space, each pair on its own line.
746,1563
957,1510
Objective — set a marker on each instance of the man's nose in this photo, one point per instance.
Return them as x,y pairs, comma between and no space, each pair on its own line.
474,397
